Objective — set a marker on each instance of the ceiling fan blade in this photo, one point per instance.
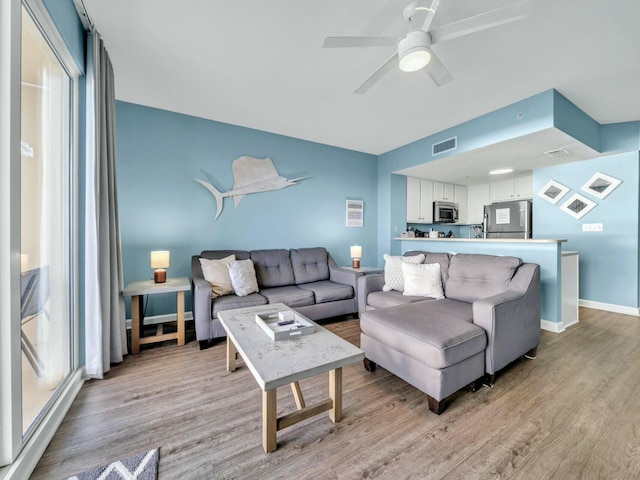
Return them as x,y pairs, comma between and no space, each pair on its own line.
348,42
377,75
437,71
480,22
429,12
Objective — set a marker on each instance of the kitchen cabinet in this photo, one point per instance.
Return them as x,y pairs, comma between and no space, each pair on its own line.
519,188
569,288
419,200
477,197
443,192
460,197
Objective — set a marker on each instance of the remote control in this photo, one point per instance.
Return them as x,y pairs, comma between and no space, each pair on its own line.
285,322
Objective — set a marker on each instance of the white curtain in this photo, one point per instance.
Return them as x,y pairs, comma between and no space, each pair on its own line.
105,332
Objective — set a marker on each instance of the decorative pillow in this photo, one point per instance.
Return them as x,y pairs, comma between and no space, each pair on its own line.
422,280
243,277
393,279
216,273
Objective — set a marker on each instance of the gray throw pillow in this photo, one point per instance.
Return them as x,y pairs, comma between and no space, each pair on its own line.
243,277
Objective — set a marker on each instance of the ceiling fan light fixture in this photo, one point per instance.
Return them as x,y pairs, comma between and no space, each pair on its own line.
413,51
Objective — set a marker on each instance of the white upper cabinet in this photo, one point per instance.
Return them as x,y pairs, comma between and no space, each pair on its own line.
478,197
443,192
419,200
519,188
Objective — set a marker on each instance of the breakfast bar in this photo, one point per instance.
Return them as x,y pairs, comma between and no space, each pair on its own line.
546,252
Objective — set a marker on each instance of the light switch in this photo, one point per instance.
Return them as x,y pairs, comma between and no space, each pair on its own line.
592,227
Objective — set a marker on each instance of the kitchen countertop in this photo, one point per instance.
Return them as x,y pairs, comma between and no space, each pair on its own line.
487,240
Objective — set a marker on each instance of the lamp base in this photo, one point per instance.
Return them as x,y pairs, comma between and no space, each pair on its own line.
355,263
160,275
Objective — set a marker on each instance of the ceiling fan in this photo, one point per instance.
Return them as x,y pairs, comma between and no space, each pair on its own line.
413,51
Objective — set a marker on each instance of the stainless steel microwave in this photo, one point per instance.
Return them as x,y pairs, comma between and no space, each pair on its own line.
445,212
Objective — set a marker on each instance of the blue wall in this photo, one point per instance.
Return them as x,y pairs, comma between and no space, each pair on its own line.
608,259
160,154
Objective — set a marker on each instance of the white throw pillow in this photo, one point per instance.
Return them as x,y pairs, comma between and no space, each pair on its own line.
422,280
216,272
393,278
243,277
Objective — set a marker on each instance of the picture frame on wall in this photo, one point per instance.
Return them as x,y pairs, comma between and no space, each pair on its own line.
578,206
601,185
355,213
553,192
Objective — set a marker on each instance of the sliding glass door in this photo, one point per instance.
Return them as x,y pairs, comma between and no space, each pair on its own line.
45,223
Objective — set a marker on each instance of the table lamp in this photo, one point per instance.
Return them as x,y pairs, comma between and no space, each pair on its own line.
160,261
356,255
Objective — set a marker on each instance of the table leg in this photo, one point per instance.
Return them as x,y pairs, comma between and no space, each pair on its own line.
297,395
136,320
269,420
335,392
231,355
180,312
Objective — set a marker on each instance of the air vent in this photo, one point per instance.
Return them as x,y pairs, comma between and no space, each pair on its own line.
558,152
445,146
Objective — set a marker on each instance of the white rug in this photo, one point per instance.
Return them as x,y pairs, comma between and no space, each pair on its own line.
142,466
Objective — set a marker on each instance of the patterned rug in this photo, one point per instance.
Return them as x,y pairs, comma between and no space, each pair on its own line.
142,466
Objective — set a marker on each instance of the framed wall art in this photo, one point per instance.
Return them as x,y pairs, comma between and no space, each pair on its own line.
553,191
601,185
578,206
355,213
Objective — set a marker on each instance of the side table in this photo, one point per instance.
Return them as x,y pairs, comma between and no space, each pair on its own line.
364,270
137,291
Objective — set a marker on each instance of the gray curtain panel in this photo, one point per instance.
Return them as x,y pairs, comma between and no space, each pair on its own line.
105,331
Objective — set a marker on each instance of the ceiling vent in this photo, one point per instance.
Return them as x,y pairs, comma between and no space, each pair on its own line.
445,146
558,152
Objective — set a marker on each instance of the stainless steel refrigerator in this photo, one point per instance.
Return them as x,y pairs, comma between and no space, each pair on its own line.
508,220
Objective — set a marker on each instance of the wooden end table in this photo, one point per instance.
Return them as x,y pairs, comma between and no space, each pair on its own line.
137,291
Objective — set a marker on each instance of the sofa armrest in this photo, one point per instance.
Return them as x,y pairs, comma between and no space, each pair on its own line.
511,319
367,284
342,275
201,294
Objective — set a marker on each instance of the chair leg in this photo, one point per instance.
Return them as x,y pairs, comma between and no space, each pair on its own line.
369,366
531,354
32,355
436,406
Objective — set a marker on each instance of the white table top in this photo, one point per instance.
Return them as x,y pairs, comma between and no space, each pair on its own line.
149,287
278,363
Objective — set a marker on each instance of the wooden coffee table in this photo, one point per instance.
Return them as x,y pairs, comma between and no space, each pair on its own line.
285,362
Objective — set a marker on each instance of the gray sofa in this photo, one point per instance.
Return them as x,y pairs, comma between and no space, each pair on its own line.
306,279
490,317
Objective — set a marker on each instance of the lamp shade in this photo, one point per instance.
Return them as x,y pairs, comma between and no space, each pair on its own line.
160,259
356,251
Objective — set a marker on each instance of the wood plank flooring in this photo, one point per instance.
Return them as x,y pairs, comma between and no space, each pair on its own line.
572,413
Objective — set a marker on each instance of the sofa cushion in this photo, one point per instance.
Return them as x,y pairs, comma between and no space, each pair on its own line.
393,278
438,333
289,295
233,301
243,277
216,272
380,299
475,276
216,254
328,291
310,264
273,268
422,280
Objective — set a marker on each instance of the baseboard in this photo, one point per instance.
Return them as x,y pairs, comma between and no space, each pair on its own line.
555,327
155,319
610,307
30,455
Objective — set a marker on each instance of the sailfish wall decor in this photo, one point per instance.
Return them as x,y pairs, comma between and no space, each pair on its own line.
250,175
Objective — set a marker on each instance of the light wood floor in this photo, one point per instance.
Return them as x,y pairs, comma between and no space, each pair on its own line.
572,413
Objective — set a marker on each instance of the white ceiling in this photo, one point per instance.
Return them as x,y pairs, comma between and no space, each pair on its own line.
260,64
